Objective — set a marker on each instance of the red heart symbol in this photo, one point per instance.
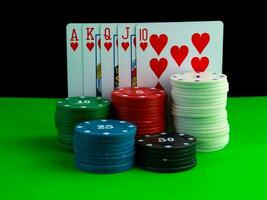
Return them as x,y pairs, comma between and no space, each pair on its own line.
158,86
158,42
117,42
134,41
200,41
99,43
179,53
125,45
143,45
90,45
107,45
74,45
158,66
200,65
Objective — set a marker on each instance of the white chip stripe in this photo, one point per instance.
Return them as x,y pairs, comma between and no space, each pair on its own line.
103,120
106,133
60,101
124,131
66,105
149,145
79,126
87,131
168,146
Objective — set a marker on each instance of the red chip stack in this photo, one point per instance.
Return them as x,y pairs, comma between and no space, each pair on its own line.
142,106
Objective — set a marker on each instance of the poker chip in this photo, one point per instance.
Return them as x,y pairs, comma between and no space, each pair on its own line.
142,106
199,107
73,110
166,152
104,146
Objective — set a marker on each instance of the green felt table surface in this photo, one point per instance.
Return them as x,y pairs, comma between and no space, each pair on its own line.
32,166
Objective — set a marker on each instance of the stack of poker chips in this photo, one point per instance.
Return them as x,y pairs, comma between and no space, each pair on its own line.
142,106
104,146
166,152
199,108
70,111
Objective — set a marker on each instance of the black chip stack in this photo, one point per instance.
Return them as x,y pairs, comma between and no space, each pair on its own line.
166,152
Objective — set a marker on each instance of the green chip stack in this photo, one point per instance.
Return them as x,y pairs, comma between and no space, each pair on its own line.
199,108
73,110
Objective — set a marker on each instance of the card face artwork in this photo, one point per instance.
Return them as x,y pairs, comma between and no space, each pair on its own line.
127,55
164,49
91,60
75,59
109,59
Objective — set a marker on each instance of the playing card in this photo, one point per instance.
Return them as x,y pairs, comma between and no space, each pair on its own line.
92,80
127,55
164,49
109,59
98,67
75,59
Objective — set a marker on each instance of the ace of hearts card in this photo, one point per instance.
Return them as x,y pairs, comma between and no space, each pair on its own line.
163,49
75,59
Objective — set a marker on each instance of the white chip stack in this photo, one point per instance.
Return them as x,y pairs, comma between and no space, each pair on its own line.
199,108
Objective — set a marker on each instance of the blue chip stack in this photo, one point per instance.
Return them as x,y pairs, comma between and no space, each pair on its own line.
104,146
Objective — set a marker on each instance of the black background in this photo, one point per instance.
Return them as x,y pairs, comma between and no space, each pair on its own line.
34,42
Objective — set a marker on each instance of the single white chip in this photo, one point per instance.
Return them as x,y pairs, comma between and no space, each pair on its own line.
203,77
